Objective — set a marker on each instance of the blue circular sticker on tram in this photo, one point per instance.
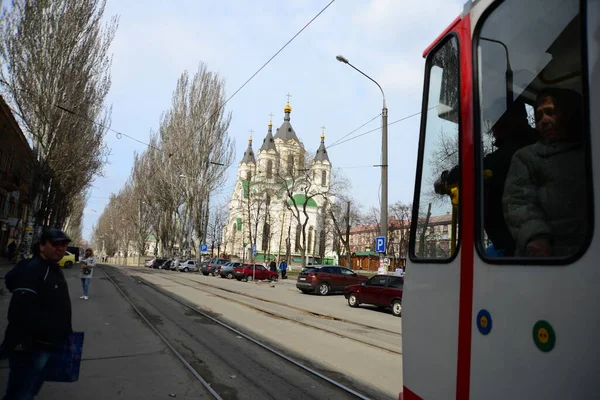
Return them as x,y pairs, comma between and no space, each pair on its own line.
484,322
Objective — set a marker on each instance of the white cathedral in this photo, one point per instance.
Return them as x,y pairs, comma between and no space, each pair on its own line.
260,220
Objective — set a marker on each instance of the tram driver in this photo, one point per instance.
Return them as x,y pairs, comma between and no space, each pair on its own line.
511,132
545,194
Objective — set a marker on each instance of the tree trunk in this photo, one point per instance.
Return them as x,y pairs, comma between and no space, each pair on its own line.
423,232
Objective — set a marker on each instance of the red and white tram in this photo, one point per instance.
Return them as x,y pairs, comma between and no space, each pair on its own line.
478,324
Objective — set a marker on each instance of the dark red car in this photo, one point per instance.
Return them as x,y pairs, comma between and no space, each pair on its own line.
325,279
383,291
249,272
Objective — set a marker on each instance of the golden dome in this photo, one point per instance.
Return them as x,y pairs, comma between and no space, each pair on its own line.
323,136
270,124
287,108
250,140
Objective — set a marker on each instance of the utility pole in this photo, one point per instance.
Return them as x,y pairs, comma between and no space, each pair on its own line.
384,171
383,225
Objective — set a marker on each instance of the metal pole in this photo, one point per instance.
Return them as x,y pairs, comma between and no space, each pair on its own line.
384,171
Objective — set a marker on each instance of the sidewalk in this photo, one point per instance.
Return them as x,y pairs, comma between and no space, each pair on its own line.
122,358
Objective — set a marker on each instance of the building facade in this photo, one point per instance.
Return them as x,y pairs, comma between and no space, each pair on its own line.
273,189
16,161
436,238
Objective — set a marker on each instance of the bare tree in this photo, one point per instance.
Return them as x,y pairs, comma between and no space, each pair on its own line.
55,75
344,215
402,214
172,181
300,188
217,222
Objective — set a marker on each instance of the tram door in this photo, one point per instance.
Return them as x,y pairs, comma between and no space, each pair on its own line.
535,300
431,292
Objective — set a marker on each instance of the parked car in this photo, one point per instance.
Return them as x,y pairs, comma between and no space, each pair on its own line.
166,265
158,262
175,264
226,271
210,266
383,291
67,261
189,265
325,279
248,272
149,262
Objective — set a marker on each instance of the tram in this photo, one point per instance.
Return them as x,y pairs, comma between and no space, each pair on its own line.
525,323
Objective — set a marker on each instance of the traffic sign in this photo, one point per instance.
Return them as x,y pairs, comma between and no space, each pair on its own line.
203,248
254,249
380,244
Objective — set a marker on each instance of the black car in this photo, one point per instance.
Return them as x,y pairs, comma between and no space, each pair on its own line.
158,262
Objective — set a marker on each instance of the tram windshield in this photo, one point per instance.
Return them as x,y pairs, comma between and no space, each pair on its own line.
533,176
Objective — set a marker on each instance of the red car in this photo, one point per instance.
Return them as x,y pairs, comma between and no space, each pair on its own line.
325,279
383,291
249,272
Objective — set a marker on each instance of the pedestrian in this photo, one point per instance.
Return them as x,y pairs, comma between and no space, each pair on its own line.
87,271
283,268
39,315
12,246
273,265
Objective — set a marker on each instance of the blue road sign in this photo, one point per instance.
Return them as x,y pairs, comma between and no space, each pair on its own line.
380,244
254,249
203,247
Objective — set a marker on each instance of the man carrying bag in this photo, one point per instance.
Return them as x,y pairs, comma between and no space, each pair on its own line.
39,341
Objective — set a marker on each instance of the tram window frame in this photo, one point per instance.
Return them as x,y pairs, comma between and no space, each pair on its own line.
586,134
421,154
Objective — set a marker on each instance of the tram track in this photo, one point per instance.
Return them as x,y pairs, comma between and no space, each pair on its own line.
199,370
392,336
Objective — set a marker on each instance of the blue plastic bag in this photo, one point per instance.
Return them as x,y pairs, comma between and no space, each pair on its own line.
64,365
491,251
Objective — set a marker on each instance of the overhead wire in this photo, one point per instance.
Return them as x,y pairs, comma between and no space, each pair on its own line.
119,135
350,133
376,129
267,63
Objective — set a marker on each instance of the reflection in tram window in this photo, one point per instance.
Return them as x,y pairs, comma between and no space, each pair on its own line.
437,204
534,201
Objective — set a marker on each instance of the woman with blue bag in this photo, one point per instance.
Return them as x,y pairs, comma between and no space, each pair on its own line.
87,270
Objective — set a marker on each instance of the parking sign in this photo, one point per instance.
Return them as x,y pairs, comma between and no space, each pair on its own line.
380,244
204,248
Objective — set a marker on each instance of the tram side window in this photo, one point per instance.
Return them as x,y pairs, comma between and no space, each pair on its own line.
437,201
534,182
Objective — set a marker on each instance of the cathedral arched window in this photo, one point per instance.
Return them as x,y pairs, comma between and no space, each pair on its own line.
290,164
323,177
234,232
248,175
270,169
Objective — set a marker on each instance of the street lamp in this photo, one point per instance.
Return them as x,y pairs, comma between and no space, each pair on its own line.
384,152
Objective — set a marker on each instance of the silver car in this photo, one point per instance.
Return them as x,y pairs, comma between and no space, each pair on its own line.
187,266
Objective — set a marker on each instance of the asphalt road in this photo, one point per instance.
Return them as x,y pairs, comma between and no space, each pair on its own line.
333,342
235,367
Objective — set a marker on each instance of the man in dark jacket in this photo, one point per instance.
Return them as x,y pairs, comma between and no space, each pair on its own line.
511,132
39,315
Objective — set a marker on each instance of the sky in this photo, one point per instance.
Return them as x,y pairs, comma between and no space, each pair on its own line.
156,41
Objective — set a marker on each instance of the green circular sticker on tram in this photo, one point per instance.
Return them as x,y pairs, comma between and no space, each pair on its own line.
543,336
